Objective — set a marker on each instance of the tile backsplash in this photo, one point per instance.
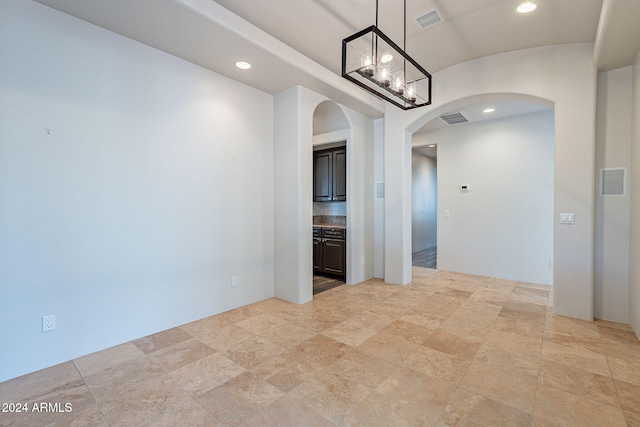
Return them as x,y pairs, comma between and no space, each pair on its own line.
339,220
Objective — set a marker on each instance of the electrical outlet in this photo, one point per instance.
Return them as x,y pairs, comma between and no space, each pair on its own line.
234,281
48,322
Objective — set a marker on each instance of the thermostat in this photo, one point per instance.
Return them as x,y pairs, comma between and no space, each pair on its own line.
464,188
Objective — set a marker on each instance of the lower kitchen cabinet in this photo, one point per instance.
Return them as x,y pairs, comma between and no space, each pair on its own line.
329,251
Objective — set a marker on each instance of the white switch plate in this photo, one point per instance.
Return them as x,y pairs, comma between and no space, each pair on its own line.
446,213
567,218
234,281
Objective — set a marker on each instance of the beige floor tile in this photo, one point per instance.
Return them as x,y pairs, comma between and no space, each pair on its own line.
238,314
405,299
496,283
226,338
370,320
625,367
419,391
205,326
45,381
163,339
439,305
458,422
393,310
437,364
362,367
613,325
261,323
206,374
189,414
318,321
145,401
72,402
474,407
489,350
456,293
388,347
409,331
619,336
447,342
576,326
287,412
509,361
108,358
575,357
562,408
496,384
122,377
287,370
331,395
350,333
253,351
288,335
574,340
578,381
422,318
181,354
468,316
523,312
271,304
517,326
629,395
321,351
378,407
239,399
529,295
490,296
514,342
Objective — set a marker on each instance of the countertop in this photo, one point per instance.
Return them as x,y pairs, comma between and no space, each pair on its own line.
343,227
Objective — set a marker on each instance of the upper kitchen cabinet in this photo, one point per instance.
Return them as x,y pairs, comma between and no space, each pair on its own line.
330,175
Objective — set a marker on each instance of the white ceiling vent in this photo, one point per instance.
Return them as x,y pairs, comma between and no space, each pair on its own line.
453,118
428,19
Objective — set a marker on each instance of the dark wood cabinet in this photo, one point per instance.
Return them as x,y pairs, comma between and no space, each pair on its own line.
329,251
330,175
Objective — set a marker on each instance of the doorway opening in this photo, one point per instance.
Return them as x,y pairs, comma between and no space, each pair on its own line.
330,152
424,204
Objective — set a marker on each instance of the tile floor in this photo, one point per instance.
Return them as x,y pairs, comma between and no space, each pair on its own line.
447,350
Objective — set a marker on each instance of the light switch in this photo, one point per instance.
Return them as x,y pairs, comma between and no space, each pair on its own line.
567,218
446,213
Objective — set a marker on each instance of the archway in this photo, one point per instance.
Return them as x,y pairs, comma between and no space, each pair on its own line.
331,133
495,187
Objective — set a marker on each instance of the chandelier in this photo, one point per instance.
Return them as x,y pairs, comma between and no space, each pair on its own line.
374,62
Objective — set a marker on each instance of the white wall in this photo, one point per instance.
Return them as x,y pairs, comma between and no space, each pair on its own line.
502,227
561,76
634,253
152,188
424,196
378,199
613,150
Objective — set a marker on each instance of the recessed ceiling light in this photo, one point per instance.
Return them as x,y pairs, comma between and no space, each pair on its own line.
488,110
243,65
527,7
431,146
387,57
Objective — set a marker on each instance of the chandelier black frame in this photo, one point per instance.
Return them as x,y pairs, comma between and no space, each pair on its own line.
369,60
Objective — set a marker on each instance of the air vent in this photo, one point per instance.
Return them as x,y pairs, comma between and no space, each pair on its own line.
428,19
453,118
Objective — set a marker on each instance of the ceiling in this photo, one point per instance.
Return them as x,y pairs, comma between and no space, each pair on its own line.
298,42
